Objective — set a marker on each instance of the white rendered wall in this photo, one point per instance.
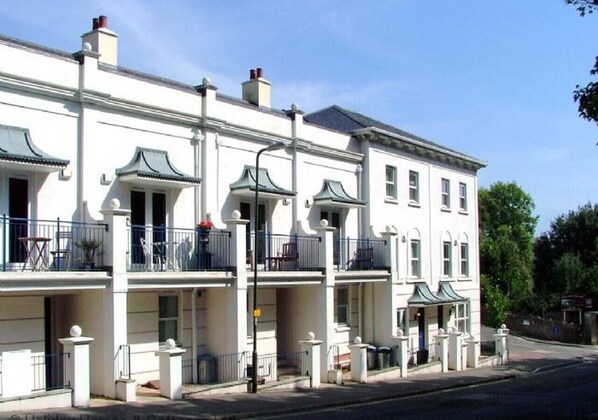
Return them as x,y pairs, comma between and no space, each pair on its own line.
22,323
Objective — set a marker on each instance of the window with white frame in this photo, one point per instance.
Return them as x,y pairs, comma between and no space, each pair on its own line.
446,192
342,312
415,258
464,259
462,317
446,259
391,182
168,318
462,196
413,187
403,320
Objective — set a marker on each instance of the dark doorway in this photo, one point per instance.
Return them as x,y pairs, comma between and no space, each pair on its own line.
137,226
334,220
18,213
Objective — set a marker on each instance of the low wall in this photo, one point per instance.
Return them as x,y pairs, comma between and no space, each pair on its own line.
545,329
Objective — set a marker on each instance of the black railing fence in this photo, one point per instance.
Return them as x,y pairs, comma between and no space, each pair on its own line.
359,254
159,248
49,371
60,245
284,252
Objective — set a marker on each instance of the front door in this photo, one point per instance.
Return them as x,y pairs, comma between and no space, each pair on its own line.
421,324
259,230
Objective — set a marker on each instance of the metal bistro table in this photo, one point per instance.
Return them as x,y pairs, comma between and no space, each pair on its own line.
36,248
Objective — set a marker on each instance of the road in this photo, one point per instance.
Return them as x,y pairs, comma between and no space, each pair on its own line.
568,392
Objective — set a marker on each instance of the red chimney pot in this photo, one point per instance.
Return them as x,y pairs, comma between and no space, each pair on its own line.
95,23
103,21
260,72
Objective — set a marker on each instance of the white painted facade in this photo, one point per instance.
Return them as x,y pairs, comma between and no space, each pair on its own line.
84,109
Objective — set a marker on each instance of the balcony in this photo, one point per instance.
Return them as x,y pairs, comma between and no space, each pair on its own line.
278,252
359,254
168,249
51,245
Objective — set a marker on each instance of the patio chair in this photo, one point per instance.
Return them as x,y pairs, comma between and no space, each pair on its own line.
63,253
149,256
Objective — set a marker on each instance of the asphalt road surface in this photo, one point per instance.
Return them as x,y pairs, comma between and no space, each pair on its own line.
567,392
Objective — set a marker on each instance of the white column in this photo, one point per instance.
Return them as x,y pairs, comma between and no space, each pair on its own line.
442,342
500,344
473,352
359,365
454,357
237,295
115,296
77,366
171,374
324,306
386,302
313,348
402,343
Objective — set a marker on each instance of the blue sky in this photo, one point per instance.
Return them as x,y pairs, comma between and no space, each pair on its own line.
491,79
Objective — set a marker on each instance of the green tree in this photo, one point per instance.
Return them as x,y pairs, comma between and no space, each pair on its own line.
507,228
587,97
567,255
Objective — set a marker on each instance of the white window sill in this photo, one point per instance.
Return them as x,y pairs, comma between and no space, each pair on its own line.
342,328
414,204
413,279
445,209
464,212
464,278
390,200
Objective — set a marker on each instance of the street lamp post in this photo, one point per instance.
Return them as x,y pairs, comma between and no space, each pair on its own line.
274,146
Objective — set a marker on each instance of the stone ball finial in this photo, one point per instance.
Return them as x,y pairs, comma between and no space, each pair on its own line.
206,81
440,331
115,203
294,106
323,223
235,215
170,344
499,331
400,333
75,331
452,329
503,326
311,335
357,340
87,46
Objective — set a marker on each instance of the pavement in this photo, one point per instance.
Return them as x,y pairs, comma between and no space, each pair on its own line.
278,403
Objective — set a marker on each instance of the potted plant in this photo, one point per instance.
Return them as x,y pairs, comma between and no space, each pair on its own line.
89,247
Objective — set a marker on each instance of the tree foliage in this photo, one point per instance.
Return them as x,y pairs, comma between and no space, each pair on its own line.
587,97
567,255
507,228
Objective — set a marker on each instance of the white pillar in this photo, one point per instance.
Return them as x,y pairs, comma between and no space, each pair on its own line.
359,365
114,297
323,307
77,366
473,352
313,348
402,344
385,307
500,344
171,374
454,356
442,342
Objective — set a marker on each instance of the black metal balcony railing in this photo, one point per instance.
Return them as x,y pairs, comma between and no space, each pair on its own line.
359,254
49,371
217,369
284,252
159,248
59,245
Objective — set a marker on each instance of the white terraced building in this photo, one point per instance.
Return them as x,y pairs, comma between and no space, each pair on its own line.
106,174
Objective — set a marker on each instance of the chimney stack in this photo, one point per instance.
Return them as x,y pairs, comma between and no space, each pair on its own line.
257,90
102,40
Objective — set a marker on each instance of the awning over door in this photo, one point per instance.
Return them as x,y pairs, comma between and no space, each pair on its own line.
447,294
423,296
153,167
245,185
333,194
17,151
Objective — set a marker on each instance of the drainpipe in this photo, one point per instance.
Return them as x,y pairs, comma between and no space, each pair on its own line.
81,144
194,332
361,314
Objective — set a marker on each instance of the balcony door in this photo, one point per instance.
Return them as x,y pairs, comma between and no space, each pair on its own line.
334,220
261,228
18,212
143,210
